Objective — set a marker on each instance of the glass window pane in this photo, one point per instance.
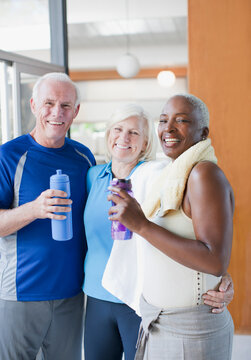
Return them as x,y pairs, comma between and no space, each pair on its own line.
91,135
24,28
27,118
6,111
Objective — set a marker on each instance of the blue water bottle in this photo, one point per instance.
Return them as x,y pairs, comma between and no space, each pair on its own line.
61,229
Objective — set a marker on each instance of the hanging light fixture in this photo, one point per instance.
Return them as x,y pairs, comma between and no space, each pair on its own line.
166,78
128,65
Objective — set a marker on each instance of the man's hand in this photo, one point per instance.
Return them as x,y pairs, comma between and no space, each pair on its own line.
50,202
221,298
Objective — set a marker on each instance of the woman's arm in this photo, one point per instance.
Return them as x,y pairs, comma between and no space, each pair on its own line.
210,200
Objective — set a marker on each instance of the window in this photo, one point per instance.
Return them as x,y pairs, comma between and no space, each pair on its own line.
20,32
25,28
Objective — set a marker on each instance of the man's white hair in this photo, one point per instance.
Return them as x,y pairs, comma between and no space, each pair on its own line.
57,76
197,104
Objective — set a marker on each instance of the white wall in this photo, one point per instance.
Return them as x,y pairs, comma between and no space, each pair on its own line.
107,58
100,98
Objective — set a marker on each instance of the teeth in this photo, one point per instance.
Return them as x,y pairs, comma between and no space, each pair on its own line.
121,146
171,140
55,123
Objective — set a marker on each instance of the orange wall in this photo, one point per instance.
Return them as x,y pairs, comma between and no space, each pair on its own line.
219,72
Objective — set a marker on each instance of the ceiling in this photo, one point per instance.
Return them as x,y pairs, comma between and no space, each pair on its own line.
139,32
154,31
99,31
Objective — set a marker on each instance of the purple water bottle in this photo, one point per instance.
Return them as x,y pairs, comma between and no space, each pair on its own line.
61,229
119,231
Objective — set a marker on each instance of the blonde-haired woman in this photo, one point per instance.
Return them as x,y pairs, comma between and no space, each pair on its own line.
111,327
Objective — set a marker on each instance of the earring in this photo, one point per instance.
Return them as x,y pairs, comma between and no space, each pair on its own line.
203,138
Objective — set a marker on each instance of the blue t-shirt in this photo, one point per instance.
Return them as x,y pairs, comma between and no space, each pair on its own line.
98,231
33,266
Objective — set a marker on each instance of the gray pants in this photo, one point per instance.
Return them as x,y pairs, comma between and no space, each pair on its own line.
193,333
54,326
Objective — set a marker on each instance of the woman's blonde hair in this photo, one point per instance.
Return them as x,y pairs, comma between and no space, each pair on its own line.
126,112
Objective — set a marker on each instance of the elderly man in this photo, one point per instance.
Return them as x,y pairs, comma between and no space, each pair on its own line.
41,300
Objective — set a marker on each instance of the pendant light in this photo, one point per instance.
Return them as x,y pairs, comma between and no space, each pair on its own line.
166,78
128,65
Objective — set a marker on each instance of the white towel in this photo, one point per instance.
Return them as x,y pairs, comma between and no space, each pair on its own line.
123,275
167,192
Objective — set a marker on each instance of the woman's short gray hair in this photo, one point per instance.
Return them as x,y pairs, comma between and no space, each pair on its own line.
197,104
57,76
126,112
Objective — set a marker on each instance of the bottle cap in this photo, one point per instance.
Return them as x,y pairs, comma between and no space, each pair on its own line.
124,184
59,177
117,181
